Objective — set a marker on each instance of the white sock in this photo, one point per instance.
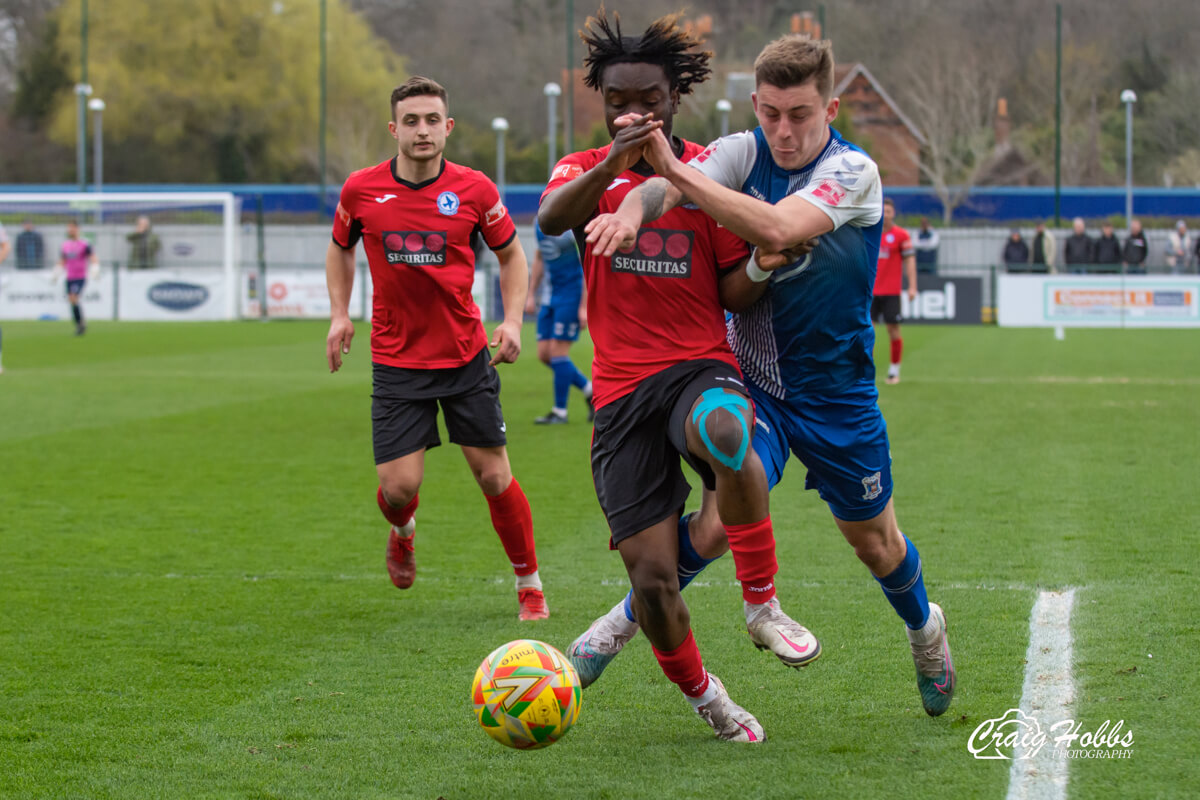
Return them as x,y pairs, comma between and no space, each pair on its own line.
530,581
587,390
408,531
559,412
893,370
752,610
928,634
706,697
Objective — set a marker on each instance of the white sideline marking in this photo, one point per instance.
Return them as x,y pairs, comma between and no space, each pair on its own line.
1048,687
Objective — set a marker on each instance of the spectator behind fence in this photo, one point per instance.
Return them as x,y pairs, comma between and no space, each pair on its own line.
1179,248
1079,249
31,248
1106,251
1043,250
1016,253
143,246
1135,252
926,241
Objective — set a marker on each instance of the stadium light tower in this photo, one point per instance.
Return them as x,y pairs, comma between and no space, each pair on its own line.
500,126
82,90
552,91
1128,97
724,107
97,107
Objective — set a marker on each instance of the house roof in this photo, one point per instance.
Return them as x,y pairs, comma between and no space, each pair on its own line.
845,73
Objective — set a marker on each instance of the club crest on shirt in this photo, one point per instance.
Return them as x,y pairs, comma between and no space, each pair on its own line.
872,486
447,203
657,253
415,248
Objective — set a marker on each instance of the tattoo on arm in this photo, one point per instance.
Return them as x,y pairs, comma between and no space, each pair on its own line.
654,193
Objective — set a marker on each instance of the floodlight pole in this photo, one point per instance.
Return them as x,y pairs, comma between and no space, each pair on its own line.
321,122
82,90
500,126
1128,97
569,100
552,91
97,107
1057,114
724,107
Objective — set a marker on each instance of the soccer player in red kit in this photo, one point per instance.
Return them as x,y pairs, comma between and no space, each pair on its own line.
665,382
415,214
896,251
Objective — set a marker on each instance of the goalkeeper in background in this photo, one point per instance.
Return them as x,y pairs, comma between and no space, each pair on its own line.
75,256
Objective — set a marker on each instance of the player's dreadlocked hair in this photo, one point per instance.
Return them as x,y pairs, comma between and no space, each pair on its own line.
664,43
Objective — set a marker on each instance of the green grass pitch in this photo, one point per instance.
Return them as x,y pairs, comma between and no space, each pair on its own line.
193,602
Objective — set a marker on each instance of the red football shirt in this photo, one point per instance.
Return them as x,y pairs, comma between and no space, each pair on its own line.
655,305
894,246
417,237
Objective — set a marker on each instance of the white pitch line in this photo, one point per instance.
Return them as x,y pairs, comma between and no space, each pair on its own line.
1048,694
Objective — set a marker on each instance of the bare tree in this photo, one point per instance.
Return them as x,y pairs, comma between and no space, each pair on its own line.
952,97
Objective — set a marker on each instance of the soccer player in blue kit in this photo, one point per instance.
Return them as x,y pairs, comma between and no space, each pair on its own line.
563,311
803,336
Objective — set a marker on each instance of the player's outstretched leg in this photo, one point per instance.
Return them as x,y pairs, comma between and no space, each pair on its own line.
401,559
718,432
650,558
513,522
596,647
935,667
896,565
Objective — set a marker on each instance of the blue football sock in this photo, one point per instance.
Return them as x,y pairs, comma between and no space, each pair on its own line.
578,379
905,589
563,368
690,564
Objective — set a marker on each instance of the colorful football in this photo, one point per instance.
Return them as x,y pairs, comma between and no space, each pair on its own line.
526,694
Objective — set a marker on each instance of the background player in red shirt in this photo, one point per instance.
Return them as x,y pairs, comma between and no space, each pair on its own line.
895,250
666,383
415,214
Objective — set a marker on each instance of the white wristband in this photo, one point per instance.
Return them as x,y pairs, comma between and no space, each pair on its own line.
754,273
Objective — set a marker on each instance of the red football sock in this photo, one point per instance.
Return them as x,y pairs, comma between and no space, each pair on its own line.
513,521
397,516
897,348
753,548
683,666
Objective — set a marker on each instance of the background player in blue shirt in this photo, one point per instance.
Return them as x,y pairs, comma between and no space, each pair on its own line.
803,336
563,312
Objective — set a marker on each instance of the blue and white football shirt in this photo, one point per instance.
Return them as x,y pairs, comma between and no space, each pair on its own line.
811,332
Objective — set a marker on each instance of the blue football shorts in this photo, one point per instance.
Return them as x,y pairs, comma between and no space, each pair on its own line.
841,441
558,321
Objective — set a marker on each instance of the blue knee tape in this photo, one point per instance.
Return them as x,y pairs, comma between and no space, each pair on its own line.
710,401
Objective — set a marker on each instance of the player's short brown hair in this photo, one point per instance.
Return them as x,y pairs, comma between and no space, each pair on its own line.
795,59
887,201
415,86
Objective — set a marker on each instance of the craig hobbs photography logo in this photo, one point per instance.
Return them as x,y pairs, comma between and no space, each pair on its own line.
1024,736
